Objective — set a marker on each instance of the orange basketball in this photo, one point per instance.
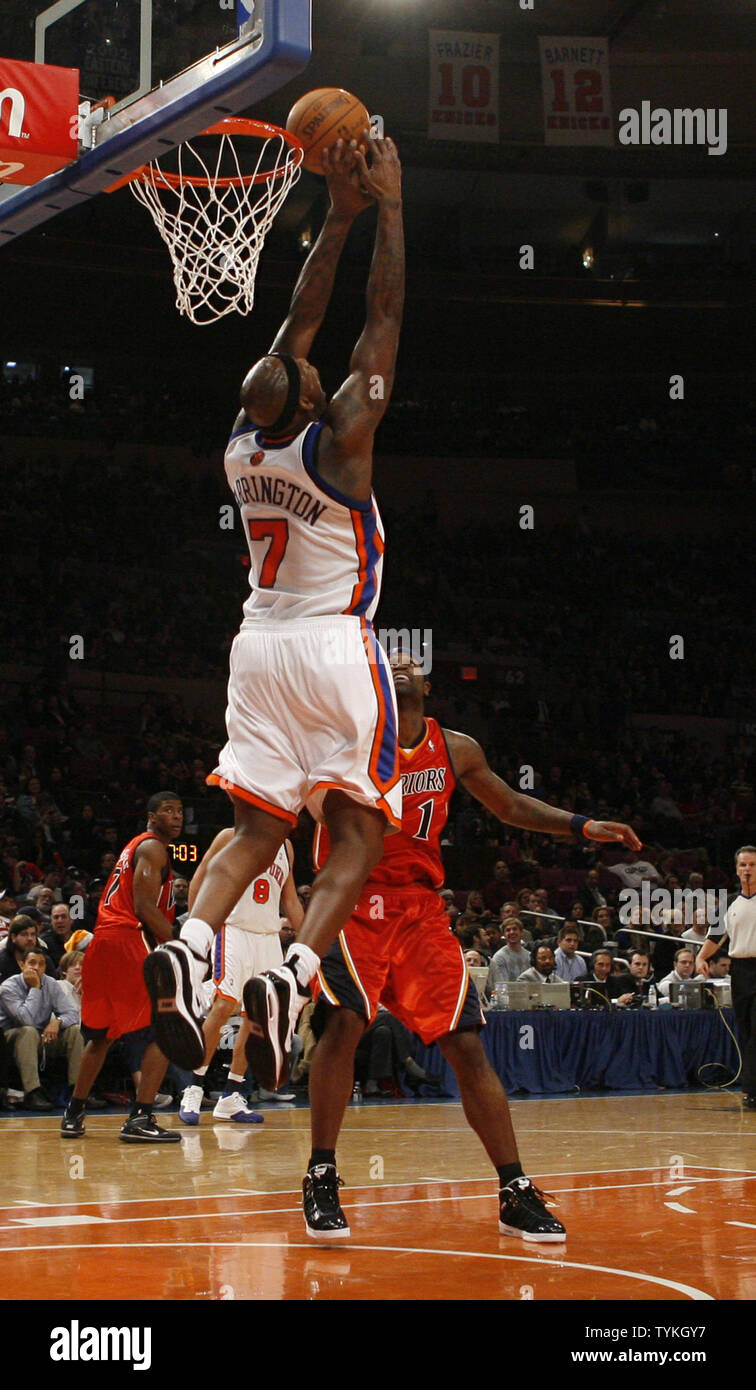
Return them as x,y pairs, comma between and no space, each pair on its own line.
322,117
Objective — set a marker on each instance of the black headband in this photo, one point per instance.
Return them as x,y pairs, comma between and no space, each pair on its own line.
295,386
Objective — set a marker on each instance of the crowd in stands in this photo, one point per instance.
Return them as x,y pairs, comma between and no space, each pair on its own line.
696,445
580,618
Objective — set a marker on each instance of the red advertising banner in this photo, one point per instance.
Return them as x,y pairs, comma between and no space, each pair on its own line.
39,123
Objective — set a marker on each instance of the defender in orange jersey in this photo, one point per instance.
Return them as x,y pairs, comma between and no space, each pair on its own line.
397,949
135,913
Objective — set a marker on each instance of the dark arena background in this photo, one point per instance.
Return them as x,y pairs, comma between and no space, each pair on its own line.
566,475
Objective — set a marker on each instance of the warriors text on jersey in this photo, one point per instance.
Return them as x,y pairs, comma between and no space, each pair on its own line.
313,551
116,907
414,855
259,907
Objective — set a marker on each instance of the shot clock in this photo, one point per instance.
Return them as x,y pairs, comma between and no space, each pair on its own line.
183,853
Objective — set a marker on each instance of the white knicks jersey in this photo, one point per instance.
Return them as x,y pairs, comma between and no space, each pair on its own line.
259,907
313,551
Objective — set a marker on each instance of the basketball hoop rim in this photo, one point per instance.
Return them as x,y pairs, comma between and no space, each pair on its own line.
229,125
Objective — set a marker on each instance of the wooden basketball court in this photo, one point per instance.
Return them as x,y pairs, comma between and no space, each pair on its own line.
657,1193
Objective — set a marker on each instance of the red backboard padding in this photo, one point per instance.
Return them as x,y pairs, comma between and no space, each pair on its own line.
38,120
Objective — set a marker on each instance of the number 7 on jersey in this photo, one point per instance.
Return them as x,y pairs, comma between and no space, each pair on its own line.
277,532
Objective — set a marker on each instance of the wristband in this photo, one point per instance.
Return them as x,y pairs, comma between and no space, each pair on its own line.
577,823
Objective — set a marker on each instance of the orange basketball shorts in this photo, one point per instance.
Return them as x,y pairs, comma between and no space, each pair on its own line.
397,950
114,998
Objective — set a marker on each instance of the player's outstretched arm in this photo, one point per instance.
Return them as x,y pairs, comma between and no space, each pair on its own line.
314,287
359,405
149,862
472,770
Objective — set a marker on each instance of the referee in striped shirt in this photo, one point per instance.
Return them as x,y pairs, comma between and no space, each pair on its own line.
740,926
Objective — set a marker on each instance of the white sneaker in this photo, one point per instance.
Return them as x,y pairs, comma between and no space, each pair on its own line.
174,976
191,1104
277,1095
234,1107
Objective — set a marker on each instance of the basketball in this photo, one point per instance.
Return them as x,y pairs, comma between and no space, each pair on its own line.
322,117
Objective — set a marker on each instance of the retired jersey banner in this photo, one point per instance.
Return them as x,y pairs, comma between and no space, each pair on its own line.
39,120
463,86
577,103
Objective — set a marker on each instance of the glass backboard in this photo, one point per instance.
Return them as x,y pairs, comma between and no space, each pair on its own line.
173,68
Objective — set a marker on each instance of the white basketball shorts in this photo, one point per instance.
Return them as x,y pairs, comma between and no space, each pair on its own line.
238,955
311,707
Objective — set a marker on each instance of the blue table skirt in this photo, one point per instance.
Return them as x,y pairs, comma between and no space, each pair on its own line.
567,1051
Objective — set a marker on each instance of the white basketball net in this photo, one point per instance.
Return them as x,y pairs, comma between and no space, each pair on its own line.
214,223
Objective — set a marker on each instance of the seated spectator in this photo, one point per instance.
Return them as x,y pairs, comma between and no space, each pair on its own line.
604,918
569,965
22,933
36,1011
600,978
386,1051
543,969
474,938
684,969
286,934
697,933
473,958
511,959
590,895
719,965
55,936
511,910
498,889
494,937
181,899
69,975
475,906
634,989
632,871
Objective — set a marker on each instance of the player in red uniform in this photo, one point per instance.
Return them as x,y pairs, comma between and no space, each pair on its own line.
135,912
397,949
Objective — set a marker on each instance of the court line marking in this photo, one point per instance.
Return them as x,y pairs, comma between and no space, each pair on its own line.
749,1224
696,1295
678,1206
387,1187
355,1206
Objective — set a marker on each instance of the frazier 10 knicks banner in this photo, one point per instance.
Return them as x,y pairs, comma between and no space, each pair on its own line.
577,104
39,122
463,86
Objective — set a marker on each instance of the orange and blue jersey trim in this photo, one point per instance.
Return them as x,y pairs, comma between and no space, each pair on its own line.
383,765
370,547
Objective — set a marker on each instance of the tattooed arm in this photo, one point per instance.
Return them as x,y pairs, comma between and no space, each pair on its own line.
313,289
346,447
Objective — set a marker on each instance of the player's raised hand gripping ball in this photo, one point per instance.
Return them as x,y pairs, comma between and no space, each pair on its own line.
344,179
322,117
381,177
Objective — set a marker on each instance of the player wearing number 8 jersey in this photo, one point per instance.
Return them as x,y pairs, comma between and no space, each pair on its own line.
311,715
397,948
247,943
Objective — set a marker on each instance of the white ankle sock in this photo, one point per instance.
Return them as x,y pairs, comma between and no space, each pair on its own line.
303,962
198,935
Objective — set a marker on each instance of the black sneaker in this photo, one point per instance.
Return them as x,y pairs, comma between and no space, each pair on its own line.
173,975
37,1100
143,1129
523,1213
324,1219
71,1126
273,1002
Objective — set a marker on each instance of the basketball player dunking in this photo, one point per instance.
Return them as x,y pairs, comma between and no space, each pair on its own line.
247,944
311,712
397,949
136,910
